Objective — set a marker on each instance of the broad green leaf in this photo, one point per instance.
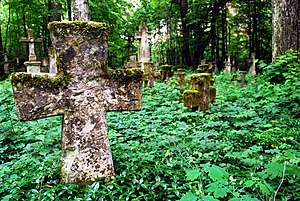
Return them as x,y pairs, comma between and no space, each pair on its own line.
189,196
208,198
192,174
216,172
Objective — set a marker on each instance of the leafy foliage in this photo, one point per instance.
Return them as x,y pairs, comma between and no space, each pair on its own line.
241,149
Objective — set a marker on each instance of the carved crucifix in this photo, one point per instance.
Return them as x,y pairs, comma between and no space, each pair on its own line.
82,91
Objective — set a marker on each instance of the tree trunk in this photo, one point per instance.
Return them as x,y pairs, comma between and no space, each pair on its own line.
286,26
69,7
81,10
1,54
185,33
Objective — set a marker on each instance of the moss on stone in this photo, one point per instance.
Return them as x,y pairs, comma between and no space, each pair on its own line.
124,76
27,80
89,27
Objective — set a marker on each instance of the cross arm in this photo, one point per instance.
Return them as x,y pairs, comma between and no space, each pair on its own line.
123,89
38,96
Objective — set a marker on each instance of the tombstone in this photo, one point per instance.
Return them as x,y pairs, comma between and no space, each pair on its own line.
45,64
166,73
201,93
144,50
33,66
252,63
149,74
52,64
133,63
6,65
83,90
202,68
228,64
243,78
180,75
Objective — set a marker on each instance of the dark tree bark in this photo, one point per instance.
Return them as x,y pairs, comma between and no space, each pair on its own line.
1,54
185,33
286,26
69,7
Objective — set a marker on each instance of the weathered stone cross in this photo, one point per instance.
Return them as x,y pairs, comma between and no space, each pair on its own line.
82,91
144,50
33,66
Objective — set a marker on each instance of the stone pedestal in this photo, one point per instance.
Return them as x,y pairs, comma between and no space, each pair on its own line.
180,75
33,66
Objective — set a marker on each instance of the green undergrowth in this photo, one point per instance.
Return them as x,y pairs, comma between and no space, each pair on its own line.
245,147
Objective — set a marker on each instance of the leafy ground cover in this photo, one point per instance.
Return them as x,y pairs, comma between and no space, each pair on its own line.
246,147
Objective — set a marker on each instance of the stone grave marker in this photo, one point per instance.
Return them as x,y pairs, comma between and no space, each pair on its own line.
52,64
252,63
83,90
166,73
243,78
144,50
6,65
32,65
228,64
180,75
201,92
149,74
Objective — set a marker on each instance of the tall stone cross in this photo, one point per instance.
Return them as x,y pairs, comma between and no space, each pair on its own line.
31,40
144,50
83,90
33,66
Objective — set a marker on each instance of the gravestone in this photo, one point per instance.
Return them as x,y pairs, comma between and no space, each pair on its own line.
149,74
252,63
180,74
201,92
133,63
52,64
228,64
144,50
166,72
83,90
32,65
6,65
243,78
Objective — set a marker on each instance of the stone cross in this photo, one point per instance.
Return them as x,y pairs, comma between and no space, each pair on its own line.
144,50
33,66
30,40
83,90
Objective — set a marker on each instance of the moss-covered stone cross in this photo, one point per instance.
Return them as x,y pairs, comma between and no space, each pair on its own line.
82,91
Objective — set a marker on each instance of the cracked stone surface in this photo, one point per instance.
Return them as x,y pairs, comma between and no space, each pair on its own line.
82,91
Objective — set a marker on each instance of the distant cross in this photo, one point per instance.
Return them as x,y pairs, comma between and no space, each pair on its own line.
30,40
144,50
82,91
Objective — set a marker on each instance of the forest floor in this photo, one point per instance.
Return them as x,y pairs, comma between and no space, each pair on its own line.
245,147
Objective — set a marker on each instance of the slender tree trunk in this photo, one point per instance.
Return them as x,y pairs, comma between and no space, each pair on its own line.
224,36
286,26
69,7
185,33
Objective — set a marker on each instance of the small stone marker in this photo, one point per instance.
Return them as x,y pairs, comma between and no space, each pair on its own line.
82,91
252,63
144,50
228,64
52,64
166,73
180,74
33,66
6,65
201,93
149,74
243,78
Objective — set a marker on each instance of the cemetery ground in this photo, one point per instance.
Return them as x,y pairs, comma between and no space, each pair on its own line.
245,147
